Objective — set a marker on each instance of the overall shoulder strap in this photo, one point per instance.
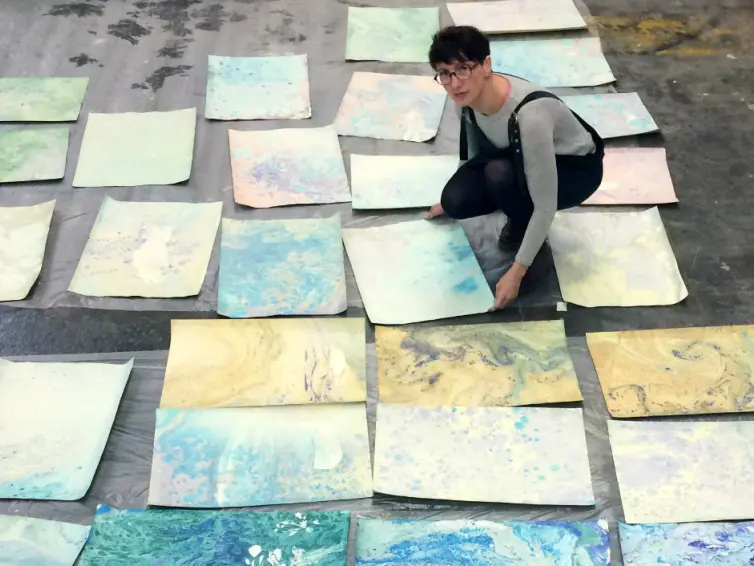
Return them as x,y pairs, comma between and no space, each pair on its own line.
532,96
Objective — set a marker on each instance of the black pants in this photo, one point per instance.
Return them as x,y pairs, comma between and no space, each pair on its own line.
482,186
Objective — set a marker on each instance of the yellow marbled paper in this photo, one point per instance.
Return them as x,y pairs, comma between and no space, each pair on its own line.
246,363
523,363
676,371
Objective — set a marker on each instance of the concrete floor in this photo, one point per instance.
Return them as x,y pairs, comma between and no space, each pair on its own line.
690,61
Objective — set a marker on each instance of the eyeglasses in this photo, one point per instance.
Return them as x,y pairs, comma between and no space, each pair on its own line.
462,72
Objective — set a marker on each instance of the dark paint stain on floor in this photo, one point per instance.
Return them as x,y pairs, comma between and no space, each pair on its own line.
80,9
83,59
174,48
213,17
129,30
156,80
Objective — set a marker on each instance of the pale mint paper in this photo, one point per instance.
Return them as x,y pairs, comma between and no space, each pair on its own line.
25,541
33,154
258,88
55,419
399,181
132,149
398,35
23,238
148,249
432,273
391,107
526,455
518,16
39,99
614,114
553,62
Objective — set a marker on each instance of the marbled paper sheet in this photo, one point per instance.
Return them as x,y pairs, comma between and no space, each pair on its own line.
136,148
33,154
261,456
147,249
634,176
516,16
191,538
618,259
258,88
39,99
678,472
23,238
400,181
25,541
55,419
553,62
675,372
708,544
614,114
241,363
433,273
529,455
287,166
521,363
391,107
281,267
383,542
401,35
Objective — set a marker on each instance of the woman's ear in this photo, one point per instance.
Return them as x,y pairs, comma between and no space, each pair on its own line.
487,66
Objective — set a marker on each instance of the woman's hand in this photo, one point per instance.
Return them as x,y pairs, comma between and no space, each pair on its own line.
507,288
435,211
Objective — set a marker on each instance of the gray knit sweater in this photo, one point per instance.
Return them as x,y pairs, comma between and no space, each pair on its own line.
548,127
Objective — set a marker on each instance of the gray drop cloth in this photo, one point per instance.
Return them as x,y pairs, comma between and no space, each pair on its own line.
321,24
122,479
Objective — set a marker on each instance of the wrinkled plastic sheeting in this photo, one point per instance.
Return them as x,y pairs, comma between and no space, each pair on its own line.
76,209
122,479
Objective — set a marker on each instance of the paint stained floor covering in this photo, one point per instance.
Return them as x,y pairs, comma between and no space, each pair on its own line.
152,56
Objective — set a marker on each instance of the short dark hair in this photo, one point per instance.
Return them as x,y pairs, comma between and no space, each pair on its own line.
458,43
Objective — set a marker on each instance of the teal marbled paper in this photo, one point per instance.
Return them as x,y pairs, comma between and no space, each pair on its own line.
189,538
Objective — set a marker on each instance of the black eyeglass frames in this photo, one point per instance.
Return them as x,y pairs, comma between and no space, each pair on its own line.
462,72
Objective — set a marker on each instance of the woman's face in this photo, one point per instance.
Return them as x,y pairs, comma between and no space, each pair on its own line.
465,79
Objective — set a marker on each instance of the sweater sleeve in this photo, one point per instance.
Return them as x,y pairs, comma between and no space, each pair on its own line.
538,146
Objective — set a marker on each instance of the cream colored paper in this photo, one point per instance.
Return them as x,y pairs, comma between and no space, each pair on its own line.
524,363
147,249
621,259
245,363
679,472
527,455
517,16
677,371
23,238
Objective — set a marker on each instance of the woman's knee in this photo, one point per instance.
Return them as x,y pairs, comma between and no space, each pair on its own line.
453,201
499,172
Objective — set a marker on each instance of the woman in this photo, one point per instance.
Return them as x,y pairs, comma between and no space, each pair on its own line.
530,154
